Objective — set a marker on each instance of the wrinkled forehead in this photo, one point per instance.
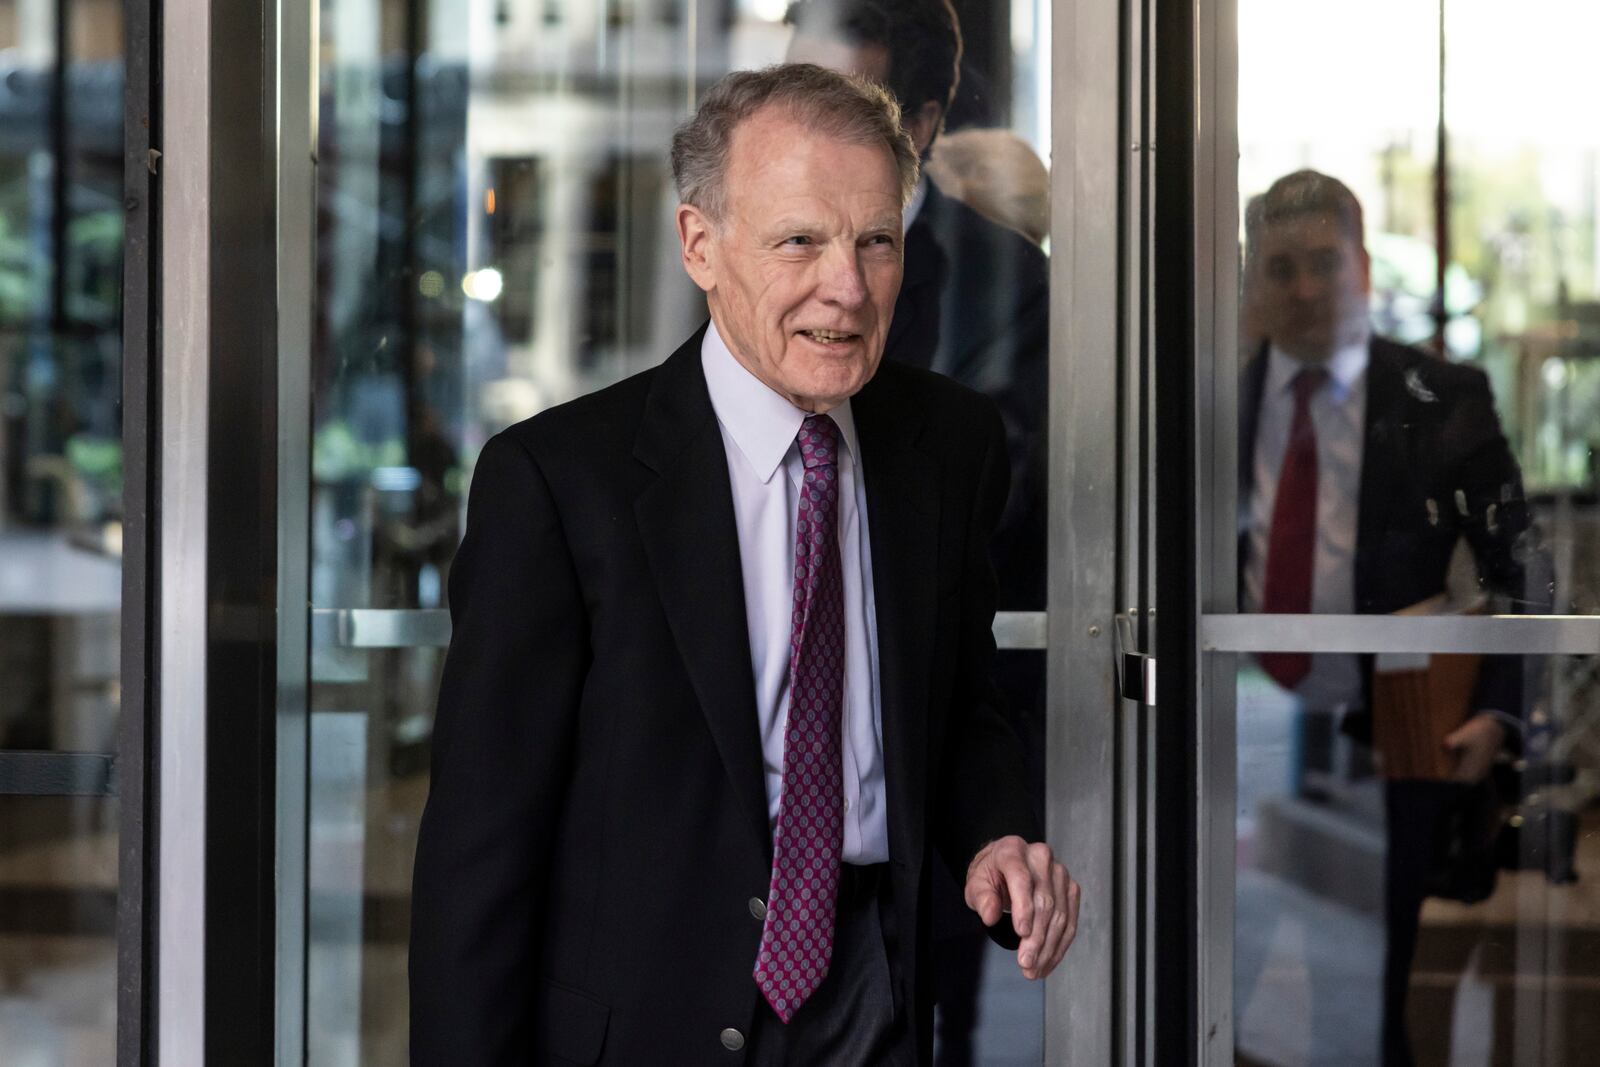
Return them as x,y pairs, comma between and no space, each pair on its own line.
777,159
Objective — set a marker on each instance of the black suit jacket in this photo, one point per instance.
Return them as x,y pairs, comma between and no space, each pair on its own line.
597,822
1435,467
975,306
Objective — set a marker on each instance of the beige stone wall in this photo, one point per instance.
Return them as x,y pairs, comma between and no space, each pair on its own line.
96,27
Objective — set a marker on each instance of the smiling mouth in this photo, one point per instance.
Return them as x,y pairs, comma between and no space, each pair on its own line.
830,337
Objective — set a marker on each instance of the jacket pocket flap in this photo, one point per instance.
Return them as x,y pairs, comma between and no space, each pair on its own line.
570,1024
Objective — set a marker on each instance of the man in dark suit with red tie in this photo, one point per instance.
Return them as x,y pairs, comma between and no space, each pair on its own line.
1363,463
717,691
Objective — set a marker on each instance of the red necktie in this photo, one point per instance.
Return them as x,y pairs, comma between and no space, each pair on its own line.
1291,547
808,841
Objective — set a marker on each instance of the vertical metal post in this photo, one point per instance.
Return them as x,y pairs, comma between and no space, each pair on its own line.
60,168
297,103
219,530
1216,304
137,811
1173,276
1441,203
185,167
1081,1005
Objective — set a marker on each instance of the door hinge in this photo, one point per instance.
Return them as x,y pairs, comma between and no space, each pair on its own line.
1136,670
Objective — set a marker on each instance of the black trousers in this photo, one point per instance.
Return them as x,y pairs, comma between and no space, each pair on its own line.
1418,814
858,1016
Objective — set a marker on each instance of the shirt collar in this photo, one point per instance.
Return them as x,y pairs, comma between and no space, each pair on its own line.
1345,369
919,196
762,424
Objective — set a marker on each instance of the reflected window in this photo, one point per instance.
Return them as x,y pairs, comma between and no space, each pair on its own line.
60,515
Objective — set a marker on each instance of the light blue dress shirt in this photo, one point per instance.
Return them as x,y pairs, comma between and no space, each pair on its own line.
758,433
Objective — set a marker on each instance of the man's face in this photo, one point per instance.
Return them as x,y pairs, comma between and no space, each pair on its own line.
1314,281
802,272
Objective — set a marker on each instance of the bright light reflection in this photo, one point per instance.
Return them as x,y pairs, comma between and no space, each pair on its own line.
1555,373
484,285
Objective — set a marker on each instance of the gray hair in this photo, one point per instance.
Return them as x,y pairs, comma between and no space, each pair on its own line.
851,109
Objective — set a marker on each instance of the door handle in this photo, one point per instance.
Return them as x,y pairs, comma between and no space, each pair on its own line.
1136,670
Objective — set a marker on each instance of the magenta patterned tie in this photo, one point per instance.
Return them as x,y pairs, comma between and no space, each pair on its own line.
797,937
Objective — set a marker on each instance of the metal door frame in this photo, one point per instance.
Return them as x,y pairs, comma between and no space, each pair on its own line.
1084,1005
217,550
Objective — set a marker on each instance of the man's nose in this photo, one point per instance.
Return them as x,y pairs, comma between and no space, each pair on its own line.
842,281
1308,287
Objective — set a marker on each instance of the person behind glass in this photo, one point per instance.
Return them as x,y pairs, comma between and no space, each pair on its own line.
1362,464
974,307
720,632
975,304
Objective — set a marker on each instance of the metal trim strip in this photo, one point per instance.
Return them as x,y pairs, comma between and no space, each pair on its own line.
1573,635
58,774
430,628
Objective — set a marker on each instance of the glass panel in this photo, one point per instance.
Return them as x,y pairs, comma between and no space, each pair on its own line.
1402,887
60,514
495,236
1421,309
58,937
1513,213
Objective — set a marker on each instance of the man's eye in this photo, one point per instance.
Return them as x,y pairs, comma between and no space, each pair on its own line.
797,239
880,239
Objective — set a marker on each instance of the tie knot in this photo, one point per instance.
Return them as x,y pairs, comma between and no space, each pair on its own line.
1307,382
819,442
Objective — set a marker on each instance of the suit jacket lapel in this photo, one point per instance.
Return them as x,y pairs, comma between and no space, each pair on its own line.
914,330
691,540
903,499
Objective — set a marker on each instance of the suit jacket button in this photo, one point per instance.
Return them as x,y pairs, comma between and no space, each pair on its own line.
732,1040
758,909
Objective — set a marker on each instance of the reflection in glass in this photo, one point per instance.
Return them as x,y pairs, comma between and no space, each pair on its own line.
60,514
1514,206
58,946
495,236
1330,841
1413,440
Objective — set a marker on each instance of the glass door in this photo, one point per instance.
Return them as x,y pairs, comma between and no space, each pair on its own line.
491,206
1394,419
73,602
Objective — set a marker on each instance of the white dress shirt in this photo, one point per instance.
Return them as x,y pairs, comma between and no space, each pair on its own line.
758,432
919,196
1338,413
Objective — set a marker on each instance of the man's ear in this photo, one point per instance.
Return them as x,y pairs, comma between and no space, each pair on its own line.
923,125
694,239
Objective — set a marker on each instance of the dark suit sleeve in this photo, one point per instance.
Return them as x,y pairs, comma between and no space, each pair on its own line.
502,744
980,792
1495,520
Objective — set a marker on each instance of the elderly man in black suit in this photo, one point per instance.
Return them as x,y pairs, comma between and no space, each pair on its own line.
1363,463
718,687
